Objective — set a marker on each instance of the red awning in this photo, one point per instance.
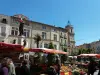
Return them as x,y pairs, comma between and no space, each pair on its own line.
45,50
49,50
35,50
10,47
61,52
98,55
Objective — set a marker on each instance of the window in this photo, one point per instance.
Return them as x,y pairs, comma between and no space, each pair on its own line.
65,42
71,30
43,27
4,21
26,32
61,40
53,29
55,37
45,45
43,35
3,30
14,31
61,34
15,19
65,36
55,46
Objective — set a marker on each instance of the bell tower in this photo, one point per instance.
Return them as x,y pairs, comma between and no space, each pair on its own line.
71,42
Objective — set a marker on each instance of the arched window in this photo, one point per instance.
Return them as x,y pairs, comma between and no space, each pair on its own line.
55,46
4,21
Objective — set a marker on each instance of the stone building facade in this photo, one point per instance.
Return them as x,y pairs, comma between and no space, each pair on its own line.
93,45
60,37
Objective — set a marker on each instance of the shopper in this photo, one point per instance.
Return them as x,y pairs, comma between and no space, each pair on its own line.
4,68
91,67
11,67
24,70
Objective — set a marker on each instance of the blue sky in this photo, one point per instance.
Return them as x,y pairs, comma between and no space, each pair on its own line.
83,14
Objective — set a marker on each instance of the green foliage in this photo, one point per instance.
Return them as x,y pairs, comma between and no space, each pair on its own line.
51,45
85,51
37,39
51,57
76,73
65,49
63,56
79,52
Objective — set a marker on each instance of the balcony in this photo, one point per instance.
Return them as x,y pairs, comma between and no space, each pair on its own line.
72,41
65,44
71,33
61,36
65,37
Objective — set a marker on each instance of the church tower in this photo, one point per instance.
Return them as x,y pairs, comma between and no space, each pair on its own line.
71,42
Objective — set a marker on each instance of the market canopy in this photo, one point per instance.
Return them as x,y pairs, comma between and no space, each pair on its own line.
10,47
46,50
90,55
35,50
98,55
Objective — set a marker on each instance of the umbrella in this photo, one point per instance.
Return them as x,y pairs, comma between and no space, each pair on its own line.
90,55
35,50
60,52
98,55
46,50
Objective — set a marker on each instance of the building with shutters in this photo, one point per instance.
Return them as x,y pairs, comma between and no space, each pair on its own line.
60,37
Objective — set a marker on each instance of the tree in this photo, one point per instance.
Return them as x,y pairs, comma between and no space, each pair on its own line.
63,56
37,39
51,57
79,51
51,45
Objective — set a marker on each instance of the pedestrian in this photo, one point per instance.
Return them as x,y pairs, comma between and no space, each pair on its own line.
24,70
11,67
58,64
91,67
4,68
17,69
99,67
51,70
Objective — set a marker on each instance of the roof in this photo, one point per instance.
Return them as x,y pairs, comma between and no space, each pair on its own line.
53,26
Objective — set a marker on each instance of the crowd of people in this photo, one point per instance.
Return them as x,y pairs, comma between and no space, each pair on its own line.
8,67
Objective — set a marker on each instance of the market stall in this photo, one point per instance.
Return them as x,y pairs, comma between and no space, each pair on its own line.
65,70
10,50
85,60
